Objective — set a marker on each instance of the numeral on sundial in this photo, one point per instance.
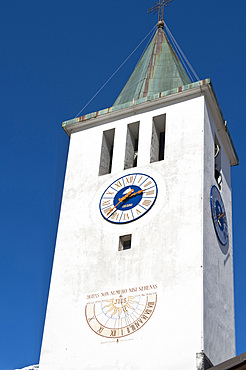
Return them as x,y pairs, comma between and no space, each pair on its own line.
100,330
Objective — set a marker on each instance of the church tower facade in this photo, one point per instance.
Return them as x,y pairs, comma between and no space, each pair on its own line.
143,267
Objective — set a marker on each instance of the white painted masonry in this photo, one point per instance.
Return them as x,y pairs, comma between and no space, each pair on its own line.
174,246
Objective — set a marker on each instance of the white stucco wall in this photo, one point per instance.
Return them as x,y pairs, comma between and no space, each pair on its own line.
167,250
219,330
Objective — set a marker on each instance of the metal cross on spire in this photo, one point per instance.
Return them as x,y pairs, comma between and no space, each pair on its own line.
159,7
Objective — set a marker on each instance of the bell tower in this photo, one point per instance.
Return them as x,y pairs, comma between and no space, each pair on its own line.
143,267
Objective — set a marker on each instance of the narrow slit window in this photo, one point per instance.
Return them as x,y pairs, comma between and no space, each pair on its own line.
217,162
158,138
131,153
125,242
106,152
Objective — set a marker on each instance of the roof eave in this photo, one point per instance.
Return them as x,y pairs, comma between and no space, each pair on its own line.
238,362
192,90
78,123
221,124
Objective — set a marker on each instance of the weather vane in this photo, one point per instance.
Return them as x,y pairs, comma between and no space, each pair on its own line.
159,7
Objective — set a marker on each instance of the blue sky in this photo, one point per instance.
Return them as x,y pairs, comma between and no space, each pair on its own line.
55,55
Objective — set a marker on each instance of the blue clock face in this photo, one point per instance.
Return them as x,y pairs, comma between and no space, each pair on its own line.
219,215
128,198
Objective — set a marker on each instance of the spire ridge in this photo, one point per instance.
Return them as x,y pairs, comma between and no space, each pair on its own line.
158,70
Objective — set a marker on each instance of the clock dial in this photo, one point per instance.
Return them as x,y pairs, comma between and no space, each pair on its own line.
219,215
120,316
128,198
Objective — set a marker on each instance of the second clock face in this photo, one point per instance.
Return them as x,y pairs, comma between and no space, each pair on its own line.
219,215
128,198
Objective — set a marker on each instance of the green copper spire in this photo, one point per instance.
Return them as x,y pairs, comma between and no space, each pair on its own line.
158,70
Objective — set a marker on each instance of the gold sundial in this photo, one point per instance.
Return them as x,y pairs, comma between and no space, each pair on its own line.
120,316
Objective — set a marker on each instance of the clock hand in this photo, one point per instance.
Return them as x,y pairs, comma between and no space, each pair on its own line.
121,200
125,197
222,214
138,192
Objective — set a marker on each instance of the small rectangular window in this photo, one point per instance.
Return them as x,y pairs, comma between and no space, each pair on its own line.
131,153
125,242
217,162
106,152
158,138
